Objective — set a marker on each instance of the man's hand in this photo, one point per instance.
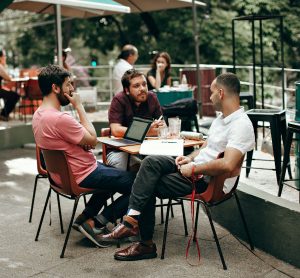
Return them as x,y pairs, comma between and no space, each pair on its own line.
181,160
157,123
87,147
186,170
74,98
153,130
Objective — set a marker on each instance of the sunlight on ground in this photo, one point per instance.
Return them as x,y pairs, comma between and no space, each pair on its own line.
11,264
8,184
21,166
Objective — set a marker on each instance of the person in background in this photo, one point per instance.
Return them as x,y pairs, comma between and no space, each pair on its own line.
64,58
159,74
133,101
126,60
10,98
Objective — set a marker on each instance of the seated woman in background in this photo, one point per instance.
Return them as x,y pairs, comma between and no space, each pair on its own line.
10,98
159,75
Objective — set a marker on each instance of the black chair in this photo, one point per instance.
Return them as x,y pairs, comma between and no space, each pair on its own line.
277,120
248,98
293,127
186,109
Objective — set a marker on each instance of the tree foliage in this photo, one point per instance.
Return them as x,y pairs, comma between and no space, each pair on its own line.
172,31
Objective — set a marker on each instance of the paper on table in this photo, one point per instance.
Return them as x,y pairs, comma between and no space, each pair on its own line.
172,147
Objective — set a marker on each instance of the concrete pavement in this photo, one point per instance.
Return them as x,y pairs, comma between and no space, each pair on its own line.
21,256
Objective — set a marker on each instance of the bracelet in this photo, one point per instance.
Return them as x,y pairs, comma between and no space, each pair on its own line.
193,168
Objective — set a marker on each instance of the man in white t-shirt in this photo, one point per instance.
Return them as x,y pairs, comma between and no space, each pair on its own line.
163,177
126,60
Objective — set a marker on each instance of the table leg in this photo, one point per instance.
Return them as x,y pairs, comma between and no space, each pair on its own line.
276,141
128,162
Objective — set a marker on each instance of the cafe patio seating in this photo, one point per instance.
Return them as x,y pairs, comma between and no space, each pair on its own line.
107,132
63,183
213,196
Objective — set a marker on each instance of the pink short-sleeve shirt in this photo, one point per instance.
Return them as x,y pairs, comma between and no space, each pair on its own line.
55,130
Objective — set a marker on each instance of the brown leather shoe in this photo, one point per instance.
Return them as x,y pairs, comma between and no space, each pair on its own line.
137,251
120,232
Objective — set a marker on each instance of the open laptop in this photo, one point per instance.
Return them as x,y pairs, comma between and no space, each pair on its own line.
135,134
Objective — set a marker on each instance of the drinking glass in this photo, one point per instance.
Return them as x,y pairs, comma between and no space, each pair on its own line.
174,127
163,132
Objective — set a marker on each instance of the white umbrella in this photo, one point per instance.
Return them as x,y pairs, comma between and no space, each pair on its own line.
69,8
138,6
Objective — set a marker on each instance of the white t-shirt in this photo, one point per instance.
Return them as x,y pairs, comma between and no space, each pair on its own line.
119,69
234,131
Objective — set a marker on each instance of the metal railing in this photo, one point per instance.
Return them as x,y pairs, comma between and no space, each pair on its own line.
101,77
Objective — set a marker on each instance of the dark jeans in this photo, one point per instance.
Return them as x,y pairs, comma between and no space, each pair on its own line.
157,177
10,100
113,180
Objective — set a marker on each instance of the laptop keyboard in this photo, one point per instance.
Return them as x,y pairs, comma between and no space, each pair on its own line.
125,141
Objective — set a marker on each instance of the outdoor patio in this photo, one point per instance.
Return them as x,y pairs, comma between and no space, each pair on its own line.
21,256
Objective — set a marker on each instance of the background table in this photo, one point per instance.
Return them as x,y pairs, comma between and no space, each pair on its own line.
171,96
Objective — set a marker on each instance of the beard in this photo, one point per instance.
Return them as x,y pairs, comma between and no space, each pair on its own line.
62,99
141,97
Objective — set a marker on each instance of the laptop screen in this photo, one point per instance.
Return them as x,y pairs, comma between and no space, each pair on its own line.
138,129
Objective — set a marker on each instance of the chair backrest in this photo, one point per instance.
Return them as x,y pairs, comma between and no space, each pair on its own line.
59,173
32,90
105,132
39,163
214,191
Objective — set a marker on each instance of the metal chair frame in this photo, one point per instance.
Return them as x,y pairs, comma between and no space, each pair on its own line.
213,196
68,187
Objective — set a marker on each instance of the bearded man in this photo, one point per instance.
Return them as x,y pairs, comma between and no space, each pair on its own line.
56,130
133,101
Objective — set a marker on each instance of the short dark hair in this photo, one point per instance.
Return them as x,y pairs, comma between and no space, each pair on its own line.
51,74
128,75
230,81
2,51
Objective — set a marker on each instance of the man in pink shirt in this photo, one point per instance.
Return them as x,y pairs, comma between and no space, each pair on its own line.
56,130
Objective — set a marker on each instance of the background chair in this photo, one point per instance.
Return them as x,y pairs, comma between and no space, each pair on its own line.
107,132
63,183
31,99
277,121
186,109
293,127
213,196
42,174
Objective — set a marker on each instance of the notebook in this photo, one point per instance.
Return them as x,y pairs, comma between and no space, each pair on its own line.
135,134
172,147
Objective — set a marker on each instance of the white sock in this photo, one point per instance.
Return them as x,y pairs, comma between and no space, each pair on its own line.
133,212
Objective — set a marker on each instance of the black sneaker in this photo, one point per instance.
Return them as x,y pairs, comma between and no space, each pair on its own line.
89,230
81,218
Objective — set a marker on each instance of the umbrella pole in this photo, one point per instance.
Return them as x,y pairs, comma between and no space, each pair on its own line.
198,77
58,34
